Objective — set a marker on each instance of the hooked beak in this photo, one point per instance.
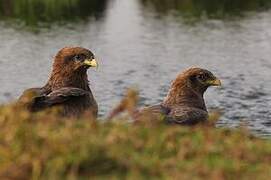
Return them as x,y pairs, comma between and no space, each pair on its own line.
91,62
215,82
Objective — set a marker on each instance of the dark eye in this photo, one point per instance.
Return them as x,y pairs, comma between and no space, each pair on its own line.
202,77
78,57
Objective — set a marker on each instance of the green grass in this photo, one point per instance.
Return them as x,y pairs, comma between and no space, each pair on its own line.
209,8
45,146
34,12
44,12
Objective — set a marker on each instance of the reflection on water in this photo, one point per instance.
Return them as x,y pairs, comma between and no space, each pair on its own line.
32,12
209,8
137,48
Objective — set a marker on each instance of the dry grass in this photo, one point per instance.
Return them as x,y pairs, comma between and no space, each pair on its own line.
45,146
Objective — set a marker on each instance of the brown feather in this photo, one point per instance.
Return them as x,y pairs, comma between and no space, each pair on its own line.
184,93
184,103
67,77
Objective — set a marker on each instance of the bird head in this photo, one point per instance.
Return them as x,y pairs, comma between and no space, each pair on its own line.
200,79
74,59
195,79
191,82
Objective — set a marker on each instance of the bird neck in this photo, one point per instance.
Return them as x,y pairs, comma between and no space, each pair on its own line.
60,78
183,94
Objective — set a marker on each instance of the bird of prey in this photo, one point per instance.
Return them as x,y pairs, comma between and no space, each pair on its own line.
67,87
184,103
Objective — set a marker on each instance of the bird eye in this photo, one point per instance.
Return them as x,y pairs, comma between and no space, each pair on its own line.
77,57
202,77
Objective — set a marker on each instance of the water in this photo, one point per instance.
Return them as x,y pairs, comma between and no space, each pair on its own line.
138,47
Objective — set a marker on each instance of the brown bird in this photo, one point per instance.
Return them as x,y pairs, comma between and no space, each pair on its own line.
184,103
67,86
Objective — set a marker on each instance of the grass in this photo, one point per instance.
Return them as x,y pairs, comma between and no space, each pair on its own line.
46,146
34,12
210,8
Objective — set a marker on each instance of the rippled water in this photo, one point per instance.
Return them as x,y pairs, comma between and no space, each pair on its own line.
138,48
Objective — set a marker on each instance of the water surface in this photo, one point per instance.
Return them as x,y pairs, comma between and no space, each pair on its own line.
137,46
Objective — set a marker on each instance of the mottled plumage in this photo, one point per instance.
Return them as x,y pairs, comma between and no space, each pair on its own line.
67,86
184,103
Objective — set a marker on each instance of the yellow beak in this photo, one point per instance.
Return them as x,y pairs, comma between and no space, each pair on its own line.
91,62
215,82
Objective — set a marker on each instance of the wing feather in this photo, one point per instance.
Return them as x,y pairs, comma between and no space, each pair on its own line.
155,111
186,116
58,97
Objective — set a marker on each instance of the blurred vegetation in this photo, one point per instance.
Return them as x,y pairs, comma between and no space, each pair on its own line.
32,12
45,146
209,8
